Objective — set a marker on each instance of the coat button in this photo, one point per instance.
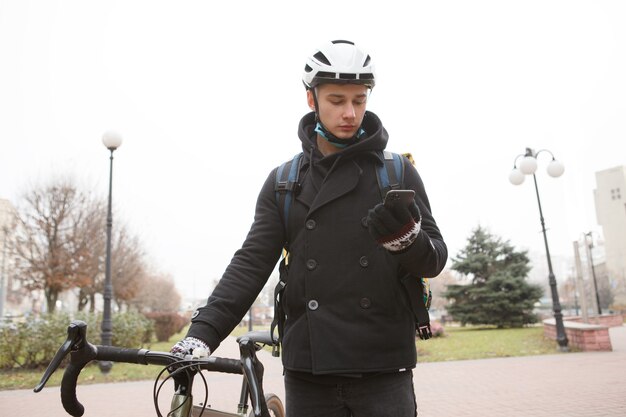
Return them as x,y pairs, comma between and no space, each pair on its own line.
364,261
313,305
310,224
364,221
365,303
311,264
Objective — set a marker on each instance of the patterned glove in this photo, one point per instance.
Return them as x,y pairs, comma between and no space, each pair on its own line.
395,228
191,346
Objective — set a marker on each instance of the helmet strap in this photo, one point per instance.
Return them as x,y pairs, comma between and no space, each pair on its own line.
339,143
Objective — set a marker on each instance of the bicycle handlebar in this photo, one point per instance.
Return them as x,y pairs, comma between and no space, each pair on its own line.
138,356
83,352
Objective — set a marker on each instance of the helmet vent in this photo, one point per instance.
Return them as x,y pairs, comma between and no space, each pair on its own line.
324,74
321,58
307,68
342,41
367,61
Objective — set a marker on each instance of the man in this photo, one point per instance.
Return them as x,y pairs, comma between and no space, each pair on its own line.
349,333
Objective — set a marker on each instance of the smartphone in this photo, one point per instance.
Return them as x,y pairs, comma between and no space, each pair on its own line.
394,197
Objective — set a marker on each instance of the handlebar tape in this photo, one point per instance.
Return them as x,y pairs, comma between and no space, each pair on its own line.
78,361
225,365
68,390
115,354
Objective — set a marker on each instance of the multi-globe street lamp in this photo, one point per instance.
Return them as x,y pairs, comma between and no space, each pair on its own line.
112,140
528,166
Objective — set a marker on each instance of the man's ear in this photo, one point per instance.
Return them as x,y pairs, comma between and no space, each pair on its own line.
310,100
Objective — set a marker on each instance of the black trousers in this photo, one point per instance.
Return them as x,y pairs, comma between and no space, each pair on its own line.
382,395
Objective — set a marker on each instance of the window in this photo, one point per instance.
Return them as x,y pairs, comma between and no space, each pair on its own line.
616,194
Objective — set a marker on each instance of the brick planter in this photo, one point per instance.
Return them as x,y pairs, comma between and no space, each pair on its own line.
584,336
609,320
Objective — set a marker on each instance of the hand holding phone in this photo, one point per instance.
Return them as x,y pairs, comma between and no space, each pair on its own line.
399,198
396,223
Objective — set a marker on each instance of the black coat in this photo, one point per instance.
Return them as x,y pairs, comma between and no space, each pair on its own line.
346,309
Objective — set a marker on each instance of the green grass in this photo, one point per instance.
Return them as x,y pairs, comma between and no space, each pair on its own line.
461,343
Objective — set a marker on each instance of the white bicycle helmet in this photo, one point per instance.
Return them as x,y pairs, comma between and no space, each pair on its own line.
338,62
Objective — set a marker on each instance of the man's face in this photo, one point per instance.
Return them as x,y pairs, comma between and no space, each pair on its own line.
341,107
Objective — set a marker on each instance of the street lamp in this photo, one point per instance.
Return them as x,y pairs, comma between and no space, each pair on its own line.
528,166
593,269
112,141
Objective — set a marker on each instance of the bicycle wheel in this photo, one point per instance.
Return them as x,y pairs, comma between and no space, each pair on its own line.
274,405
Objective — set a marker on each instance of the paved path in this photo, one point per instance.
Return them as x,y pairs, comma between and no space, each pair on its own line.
560,385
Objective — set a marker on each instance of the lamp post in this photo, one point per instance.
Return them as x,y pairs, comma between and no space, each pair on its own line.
593,269
573,280
580,286
528,166
112,141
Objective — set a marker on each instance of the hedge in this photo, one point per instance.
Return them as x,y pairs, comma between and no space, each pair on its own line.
167,324
33,342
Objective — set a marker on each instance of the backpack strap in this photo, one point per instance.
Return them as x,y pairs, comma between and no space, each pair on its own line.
285,187
390,176
286,184
418,296
278,322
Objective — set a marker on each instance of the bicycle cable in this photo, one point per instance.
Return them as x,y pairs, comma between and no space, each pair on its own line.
190,365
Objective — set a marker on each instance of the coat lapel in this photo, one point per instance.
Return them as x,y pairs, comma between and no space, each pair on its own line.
341,181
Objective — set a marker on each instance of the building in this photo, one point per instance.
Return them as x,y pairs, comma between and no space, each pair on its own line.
610,202
7,225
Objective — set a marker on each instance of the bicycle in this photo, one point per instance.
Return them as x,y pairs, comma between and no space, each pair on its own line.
182,370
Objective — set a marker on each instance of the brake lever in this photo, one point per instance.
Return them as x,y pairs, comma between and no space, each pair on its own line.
76,336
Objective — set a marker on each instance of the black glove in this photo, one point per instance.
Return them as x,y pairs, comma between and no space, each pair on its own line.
396,227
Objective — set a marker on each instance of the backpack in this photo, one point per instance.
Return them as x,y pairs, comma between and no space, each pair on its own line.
390,176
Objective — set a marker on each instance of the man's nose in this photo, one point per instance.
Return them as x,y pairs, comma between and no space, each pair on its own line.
349,112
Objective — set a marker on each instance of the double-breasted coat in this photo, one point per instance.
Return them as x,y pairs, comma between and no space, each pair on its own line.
346,310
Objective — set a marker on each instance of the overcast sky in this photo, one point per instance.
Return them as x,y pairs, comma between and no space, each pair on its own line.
207,96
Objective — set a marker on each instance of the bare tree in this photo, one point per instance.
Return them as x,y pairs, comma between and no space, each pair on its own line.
128,267
93,229
57,231
438,286
157,293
